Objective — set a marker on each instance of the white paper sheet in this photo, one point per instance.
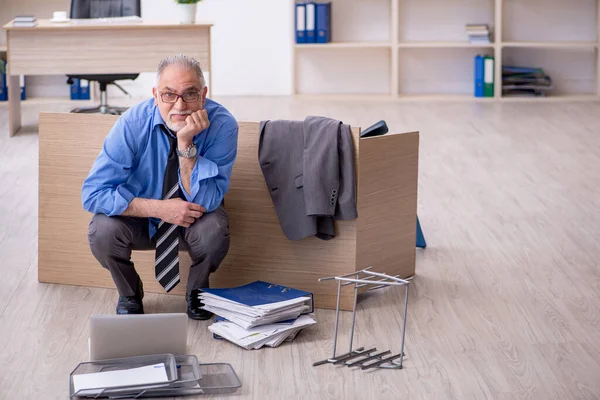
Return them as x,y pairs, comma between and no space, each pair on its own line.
135,376
271,335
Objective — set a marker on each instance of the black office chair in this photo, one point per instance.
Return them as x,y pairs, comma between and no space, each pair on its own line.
104,9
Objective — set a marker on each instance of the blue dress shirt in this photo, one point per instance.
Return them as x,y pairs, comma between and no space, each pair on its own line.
134,156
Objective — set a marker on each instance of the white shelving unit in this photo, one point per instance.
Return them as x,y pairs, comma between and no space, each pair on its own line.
418,49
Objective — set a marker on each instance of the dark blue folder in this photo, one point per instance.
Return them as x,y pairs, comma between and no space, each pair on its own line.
3,81
258,293
479,76
300,23
323,22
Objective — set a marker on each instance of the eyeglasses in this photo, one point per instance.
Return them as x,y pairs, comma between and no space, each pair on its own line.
188,97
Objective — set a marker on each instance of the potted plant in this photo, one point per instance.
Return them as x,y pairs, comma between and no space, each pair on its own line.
186,11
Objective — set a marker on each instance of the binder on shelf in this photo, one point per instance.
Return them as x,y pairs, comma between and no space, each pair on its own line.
84,89
488,76
479,75
310,23
23,88
3,81
75,89
300,23
323,22
525,81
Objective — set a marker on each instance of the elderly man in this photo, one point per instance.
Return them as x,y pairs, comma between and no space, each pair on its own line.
159,182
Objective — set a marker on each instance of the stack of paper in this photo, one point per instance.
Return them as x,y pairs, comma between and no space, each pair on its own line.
271,335
478,33
525,81
24,21
258,314
89,384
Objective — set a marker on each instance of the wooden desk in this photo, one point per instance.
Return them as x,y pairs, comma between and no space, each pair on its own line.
78,47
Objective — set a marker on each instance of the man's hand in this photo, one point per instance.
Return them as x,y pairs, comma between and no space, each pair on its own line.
179,212
195,123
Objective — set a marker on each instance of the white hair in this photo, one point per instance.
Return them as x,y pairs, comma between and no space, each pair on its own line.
184,62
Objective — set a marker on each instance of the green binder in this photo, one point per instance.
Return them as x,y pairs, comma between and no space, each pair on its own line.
488,76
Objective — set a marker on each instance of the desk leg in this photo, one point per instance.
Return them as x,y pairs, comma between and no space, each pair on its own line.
14,105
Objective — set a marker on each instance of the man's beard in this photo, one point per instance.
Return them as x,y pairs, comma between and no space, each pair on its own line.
176,126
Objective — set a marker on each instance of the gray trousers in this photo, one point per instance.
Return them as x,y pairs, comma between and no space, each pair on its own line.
112,239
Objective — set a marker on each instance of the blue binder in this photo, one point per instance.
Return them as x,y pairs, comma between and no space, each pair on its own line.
75,89
260,292
84,89
479,76
323,22
300,23
218,318
3,81
311,20
23,84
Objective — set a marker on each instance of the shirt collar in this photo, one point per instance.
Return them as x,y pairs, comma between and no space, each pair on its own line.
158,120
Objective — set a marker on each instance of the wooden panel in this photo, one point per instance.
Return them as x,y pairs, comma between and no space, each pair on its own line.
14,104
259,249
387,203
70,50
64,162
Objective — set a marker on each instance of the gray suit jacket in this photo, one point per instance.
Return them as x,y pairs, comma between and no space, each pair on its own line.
309,171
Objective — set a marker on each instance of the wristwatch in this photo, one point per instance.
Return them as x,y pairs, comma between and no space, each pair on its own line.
190,152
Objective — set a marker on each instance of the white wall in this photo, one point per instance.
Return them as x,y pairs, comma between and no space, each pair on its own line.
251,42
251,49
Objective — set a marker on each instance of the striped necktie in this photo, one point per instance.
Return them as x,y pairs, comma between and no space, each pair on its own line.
166,265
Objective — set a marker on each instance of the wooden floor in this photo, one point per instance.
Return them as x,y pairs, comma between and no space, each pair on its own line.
505,304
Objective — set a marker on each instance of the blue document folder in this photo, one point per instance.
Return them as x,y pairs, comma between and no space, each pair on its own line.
323,22
300,23
310,20
75,89
259,292
3,81
479,75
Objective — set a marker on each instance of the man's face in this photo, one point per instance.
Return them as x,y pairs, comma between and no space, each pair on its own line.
174,81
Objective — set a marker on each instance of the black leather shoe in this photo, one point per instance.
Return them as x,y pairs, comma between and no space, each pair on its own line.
193,307
131,304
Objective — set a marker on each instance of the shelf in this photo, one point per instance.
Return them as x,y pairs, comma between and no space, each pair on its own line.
344,97
551,44
432,59
400,98
52,100
444,97
419,45
2,48
344,45
49,100
548,21
556,97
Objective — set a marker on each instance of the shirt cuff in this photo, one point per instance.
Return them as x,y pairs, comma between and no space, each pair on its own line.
203,169
122,199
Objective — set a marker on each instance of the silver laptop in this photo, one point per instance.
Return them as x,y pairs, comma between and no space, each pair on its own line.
116,336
